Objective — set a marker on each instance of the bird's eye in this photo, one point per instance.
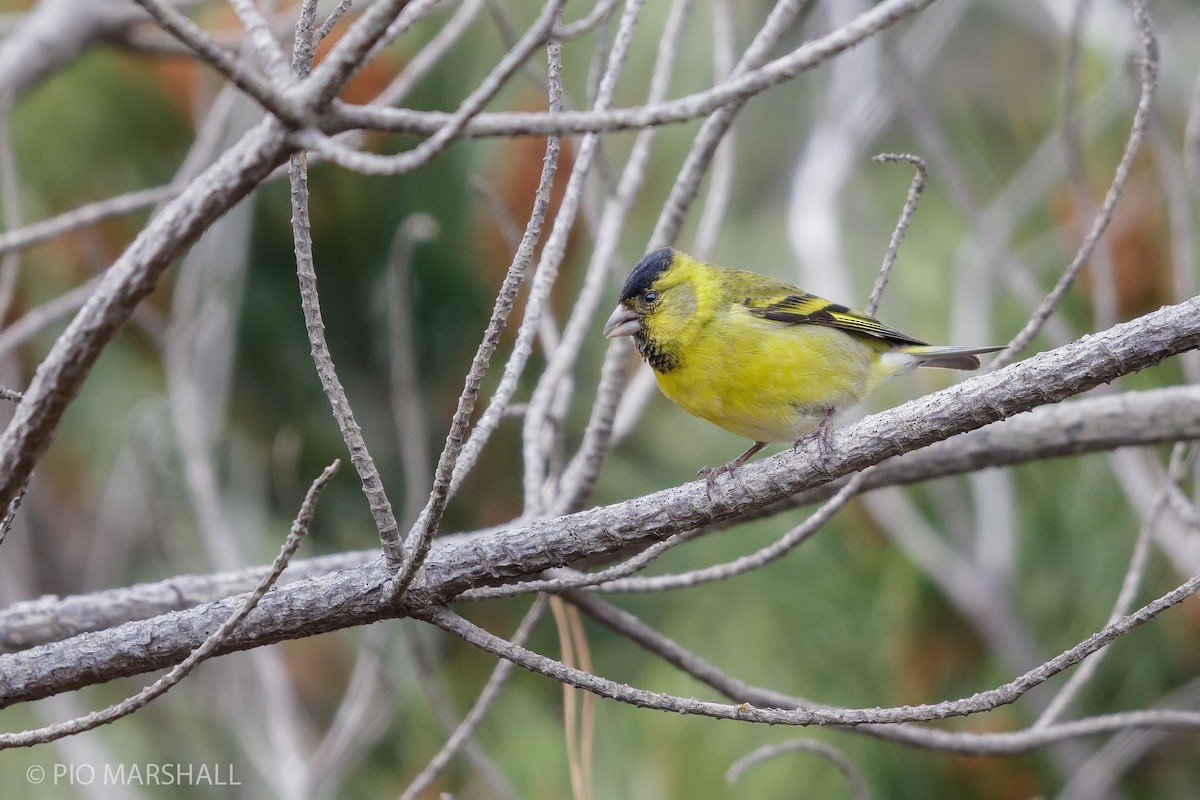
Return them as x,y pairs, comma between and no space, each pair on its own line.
650,297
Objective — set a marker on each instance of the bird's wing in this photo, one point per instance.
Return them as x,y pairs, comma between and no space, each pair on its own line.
794,307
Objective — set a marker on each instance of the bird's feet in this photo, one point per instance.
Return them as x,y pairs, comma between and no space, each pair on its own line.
822,434
710,473
710,476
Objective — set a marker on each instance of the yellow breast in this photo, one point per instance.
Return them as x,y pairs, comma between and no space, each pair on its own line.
767,381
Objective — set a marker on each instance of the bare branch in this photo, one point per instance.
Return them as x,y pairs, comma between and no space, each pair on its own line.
424,528
483,702
1182,457
89,214
553,385
210,644
1141,117
854,779
211,53
989,743
372,164
783,69
354,596
360,456
910,206
1083,426
978,703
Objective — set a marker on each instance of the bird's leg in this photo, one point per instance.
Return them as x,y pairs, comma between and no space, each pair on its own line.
823,434
710,473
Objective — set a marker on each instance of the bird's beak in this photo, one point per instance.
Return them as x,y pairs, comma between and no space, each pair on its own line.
623,322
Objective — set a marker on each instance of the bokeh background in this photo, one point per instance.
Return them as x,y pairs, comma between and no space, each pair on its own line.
977,88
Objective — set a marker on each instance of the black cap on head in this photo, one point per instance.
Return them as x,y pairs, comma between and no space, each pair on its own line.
653,264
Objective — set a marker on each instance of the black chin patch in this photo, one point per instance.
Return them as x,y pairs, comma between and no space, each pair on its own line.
643,276
658,357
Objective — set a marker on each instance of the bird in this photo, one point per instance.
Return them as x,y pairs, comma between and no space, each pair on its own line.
757,356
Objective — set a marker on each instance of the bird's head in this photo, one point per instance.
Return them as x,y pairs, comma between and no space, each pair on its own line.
642,295
658,306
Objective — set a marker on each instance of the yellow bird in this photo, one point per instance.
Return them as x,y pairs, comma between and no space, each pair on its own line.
756,356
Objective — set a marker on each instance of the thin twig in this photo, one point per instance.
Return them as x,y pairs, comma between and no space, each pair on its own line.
854,778
214,640
350,53
368,706
720,182
37,319
777,549
360,456
1182,458
565,579
553,385
210,52
600,13
332,20
773,73
721,117
539,293
1172,171
483,702
1141,117
423,670
910,205
10,193
372,164
988,743
570,695
579,478
89,214
980,702
422,532
431,54
1103,288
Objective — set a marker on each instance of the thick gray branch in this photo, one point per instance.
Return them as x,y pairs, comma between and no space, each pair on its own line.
1083,426
355,596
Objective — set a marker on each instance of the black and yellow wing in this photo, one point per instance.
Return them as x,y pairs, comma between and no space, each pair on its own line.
778,302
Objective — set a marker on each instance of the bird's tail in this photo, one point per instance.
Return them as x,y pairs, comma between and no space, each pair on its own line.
928,355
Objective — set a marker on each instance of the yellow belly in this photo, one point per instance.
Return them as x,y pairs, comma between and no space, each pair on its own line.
770,382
